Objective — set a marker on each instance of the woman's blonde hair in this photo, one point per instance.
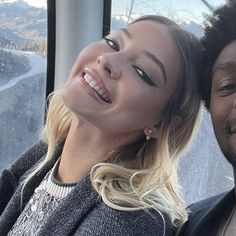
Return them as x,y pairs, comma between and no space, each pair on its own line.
143,175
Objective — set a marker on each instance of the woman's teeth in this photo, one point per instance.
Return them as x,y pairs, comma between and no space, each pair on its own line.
93,84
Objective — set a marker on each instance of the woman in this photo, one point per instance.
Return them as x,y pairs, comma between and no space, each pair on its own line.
107,165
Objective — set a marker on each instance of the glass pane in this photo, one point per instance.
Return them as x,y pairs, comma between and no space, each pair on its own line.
203,170
183,12
23,58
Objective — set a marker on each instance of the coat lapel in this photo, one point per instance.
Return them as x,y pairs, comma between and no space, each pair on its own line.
66,218
71,210
214,211
14,209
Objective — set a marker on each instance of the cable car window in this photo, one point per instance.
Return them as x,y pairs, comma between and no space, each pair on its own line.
203,165
23,59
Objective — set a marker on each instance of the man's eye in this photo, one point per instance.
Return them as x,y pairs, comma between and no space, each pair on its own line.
141,73
112,43
227,89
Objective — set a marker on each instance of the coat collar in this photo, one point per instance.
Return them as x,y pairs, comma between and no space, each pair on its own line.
83,196
71,210
18,200
67,215
213,210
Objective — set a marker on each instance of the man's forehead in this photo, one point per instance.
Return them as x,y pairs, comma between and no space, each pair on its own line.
227,57
225,66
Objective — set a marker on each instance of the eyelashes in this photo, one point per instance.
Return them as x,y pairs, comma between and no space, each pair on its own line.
112,43
227,89
142,74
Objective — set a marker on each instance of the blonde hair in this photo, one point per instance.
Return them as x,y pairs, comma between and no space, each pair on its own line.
143,175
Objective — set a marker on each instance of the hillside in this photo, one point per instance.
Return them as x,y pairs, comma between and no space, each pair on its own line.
23,20
12,65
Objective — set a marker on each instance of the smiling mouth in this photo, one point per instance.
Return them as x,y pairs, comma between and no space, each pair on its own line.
230,126
232,130
94,85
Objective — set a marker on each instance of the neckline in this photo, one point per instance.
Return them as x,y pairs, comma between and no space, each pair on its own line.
55,187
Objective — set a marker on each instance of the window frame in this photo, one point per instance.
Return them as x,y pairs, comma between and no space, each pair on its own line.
51,49
106,17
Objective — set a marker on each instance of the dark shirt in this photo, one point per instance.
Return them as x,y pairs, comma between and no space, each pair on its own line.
207,216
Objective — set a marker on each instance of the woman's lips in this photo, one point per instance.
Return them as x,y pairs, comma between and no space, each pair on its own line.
90,74
95,86
92,92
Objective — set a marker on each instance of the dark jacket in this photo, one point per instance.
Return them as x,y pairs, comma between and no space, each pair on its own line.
204,214
81,213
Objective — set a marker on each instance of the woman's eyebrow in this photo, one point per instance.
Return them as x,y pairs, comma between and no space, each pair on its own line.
126,32
148,54
157,62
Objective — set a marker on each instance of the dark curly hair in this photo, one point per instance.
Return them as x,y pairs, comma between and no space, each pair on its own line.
220,30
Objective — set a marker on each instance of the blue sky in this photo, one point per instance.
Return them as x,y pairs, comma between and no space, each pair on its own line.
174,9
36,3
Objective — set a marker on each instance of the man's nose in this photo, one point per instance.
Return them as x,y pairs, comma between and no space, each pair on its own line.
110,63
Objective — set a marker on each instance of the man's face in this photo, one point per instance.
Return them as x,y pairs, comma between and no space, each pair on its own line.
223,101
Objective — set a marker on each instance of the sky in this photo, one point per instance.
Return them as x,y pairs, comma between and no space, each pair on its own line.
36,3
174,9
194,6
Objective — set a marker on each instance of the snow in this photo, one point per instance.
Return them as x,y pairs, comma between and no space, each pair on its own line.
38,66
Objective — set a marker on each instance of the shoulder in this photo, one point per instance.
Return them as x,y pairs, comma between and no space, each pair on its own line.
206,204
199,211
109,221
28,159
10,177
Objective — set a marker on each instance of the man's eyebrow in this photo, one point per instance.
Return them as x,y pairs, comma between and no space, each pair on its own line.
225,66
157,62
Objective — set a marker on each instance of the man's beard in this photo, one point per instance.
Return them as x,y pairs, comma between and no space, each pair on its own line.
230,156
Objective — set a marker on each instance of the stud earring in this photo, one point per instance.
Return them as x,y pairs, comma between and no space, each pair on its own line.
149,132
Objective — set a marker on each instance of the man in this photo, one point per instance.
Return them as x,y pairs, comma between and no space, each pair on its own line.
217,215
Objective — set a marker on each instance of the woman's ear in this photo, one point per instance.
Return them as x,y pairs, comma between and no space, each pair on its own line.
153,131
176,122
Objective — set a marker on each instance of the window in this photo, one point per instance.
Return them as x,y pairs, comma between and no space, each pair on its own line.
203,170
23,60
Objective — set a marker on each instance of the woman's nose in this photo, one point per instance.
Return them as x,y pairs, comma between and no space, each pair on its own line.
109,63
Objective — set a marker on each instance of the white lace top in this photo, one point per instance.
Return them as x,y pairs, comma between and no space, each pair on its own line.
45,199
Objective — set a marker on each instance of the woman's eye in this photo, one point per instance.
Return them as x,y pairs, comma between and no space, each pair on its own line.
141,73
112,43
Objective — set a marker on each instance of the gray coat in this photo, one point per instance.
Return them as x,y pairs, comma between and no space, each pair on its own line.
81,213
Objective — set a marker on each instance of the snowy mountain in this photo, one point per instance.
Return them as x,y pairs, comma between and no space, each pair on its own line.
19,65
121,20
22,21
12,37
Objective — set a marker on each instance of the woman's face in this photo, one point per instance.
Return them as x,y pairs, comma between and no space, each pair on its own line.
123,83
